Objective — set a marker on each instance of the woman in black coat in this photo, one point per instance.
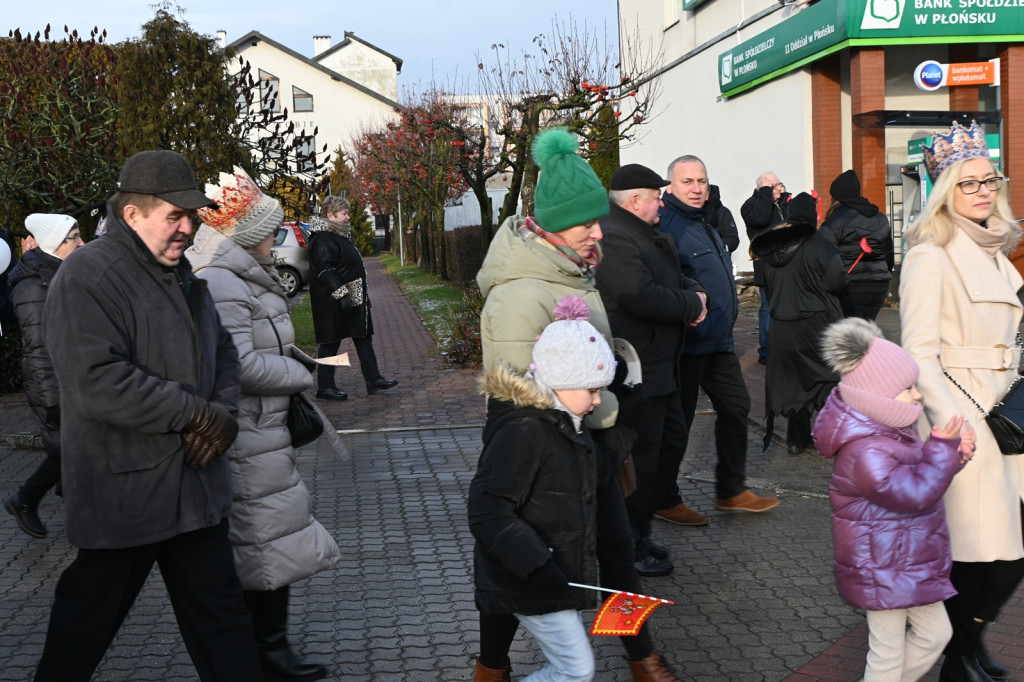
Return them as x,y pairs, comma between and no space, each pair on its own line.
56,237
340,299
805,278
851,223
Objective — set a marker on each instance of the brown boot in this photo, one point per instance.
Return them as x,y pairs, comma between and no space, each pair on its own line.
654,668
484,674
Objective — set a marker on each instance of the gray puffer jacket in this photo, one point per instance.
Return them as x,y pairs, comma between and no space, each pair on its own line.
275,538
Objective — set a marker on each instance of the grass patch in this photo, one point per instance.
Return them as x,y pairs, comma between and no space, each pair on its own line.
440,305
302,320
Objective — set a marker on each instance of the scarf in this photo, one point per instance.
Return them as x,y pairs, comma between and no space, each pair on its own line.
318,224
989,237
588,266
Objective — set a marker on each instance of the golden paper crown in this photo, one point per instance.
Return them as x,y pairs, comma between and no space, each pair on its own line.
961,143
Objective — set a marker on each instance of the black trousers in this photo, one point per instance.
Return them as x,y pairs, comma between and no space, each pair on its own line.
863,299
721,377
96,591
46,476
661,433
982,590
367,361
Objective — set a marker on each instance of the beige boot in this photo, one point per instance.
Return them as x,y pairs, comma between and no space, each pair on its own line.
654,668
484,674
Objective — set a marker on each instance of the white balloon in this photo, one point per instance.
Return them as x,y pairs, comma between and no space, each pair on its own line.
5,255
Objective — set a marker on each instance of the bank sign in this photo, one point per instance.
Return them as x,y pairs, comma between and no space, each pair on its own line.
831,25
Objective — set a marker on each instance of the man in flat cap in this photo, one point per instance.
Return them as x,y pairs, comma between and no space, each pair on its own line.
709,357
649,302
149,390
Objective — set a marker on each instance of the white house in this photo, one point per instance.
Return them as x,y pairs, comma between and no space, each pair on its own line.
342,90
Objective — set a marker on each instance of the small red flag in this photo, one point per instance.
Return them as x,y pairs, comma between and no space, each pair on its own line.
624,613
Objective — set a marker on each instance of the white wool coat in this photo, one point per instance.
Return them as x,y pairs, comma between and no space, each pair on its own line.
275,538
959,310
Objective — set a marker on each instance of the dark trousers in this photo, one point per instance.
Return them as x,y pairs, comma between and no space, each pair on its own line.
982,589
661,433
798,428
96,591
764,319
367,361
721,377
615,560
863,299
46,476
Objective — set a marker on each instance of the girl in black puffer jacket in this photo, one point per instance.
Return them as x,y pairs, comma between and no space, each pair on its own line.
853,223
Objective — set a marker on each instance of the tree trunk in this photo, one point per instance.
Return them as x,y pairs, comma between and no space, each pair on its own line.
486,214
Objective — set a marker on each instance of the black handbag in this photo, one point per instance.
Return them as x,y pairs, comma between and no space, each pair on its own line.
1005,419
303,421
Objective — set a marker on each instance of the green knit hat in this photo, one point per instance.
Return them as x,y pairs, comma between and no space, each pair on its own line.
568,191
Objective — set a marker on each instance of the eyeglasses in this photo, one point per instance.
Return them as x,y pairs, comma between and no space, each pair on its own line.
972,186
78,237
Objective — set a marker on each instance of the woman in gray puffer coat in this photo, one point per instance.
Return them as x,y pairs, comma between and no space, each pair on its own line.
275,538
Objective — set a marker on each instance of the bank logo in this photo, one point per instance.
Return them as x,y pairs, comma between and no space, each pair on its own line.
726,69
882,14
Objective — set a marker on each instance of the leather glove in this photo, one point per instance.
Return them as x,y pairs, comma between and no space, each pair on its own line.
343,297
549,577
213,430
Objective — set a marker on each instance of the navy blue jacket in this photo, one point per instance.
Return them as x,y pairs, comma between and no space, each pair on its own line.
703,257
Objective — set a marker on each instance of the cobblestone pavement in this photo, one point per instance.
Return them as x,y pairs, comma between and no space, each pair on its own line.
754,594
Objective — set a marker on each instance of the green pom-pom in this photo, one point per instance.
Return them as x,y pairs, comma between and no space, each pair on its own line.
554,142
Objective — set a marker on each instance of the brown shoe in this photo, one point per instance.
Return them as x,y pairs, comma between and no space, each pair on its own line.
484,674
681,515
747,501
652,669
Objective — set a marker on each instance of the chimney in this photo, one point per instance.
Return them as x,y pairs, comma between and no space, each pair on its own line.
321,44
222,39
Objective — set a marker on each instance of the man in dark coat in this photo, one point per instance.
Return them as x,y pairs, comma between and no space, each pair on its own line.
768,207
649,303
149,385
56,237
340,299
710,360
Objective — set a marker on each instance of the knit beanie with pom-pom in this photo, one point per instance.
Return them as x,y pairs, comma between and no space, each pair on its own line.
569,192
873,371
570,353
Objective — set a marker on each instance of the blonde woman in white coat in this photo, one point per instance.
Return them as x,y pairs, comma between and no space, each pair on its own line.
275,538
960,310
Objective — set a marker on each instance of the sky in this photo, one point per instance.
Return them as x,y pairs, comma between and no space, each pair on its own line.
437,39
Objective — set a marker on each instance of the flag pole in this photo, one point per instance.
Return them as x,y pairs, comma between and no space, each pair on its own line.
605,589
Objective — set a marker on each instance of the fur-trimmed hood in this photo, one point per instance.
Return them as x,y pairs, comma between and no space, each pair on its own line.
501,382
778,245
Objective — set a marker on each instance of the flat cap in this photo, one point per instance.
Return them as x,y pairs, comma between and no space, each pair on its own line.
164,174
635,176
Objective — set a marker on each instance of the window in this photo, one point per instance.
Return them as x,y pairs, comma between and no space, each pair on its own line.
269,86
301,100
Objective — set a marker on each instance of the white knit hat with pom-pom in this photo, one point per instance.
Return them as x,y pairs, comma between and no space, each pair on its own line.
570,353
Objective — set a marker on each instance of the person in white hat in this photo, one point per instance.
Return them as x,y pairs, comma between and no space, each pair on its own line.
56,237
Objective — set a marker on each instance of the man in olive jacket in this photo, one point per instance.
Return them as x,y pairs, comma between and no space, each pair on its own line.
149,386
649,304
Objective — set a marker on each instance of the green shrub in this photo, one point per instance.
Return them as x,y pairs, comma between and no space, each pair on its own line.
464,349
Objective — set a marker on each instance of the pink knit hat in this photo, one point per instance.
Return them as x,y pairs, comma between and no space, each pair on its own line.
873,371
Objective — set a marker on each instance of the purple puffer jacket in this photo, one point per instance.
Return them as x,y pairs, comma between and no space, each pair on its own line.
888,521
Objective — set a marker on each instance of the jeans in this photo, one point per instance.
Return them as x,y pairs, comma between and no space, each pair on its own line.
563,640
721,377
763,319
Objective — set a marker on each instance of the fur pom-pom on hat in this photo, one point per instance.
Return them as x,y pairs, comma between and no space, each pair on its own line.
569,192
873,371
571,353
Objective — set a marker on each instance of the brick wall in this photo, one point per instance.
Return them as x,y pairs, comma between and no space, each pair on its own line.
867,93
827,124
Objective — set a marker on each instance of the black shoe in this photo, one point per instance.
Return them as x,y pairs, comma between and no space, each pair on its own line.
795,449
652,567
992,667
380,384
283,664
26,515
331,394
962,669
655,550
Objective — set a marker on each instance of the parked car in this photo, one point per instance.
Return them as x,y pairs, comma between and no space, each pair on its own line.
290,256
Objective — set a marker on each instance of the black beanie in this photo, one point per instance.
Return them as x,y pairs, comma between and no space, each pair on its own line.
846,186
803,208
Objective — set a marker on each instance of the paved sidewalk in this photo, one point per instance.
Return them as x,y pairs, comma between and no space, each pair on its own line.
755,598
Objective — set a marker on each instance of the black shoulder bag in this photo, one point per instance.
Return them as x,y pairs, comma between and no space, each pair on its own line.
303,421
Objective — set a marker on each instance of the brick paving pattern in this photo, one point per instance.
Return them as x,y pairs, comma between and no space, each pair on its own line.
755,598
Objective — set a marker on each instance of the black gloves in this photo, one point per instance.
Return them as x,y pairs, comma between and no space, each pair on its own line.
549,577
209,433
53,415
